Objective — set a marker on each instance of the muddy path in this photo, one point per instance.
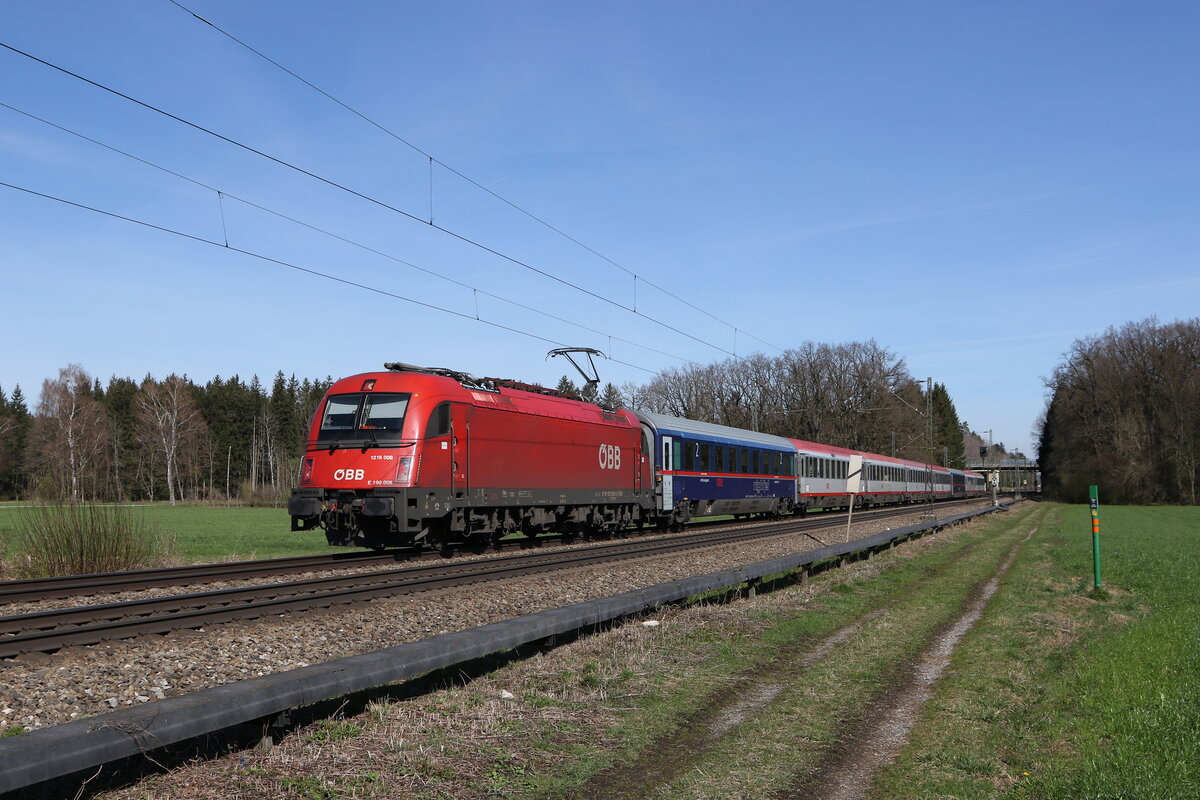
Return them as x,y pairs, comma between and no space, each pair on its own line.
877,739
867,740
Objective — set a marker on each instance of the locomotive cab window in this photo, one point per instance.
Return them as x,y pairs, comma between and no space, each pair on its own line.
363,419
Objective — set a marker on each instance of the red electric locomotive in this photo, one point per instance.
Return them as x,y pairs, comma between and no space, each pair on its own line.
420,455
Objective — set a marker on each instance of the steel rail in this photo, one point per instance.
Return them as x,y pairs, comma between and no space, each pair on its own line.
104,582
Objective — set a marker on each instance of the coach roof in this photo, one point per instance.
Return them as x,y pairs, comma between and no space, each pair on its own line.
707,430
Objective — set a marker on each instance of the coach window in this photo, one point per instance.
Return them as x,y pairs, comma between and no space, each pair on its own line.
718,458
704,457
439,422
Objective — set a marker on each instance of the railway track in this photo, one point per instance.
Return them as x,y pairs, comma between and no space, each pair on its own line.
107,582
47,631
61,587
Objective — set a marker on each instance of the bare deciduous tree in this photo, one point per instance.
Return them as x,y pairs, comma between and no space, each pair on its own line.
71,432
169,422
1124,412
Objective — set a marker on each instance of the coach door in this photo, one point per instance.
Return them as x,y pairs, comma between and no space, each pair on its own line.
460,449
668,483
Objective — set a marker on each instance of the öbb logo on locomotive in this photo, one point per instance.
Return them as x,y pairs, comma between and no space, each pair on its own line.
610,456
349,474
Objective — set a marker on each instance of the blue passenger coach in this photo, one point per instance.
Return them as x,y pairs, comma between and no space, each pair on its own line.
702,470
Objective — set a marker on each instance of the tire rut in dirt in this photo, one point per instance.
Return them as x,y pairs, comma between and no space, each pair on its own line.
876,738
671,756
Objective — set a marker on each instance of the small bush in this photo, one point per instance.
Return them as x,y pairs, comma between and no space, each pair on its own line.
264,496
78,538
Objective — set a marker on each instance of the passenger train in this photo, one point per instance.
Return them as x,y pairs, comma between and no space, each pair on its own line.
419,455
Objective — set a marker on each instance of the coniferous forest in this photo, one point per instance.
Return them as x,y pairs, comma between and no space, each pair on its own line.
152,439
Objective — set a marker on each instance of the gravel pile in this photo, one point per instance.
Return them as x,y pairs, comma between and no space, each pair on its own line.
39,689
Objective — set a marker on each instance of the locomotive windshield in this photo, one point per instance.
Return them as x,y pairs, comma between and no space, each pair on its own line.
363,419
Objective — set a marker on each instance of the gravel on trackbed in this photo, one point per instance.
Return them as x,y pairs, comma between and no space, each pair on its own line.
39,689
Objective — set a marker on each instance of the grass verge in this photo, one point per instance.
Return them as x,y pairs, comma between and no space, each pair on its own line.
1064,692
198,533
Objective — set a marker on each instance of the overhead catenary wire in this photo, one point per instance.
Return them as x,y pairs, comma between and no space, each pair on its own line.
366,197
435,160
289,265
222,195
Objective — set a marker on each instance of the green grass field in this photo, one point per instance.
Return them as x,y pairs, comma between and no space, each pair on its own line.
1065,692
210,533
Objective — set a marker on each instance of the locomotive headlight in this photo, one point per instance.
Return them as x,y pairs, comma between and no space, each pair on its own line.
306,473
404,469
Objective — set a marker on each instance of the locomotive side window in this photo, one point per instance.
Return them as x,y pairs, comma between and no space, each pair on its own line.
439,422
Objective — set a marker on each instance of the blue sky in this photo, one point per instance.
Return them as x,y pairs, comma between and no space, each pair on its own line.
973,185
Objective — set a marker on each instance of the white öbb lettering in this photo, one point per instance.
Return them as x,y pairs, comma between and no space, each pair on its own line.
610,456
349,475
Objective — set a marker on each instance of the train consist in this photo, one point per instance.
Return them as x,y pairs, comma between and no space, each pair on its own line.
432,456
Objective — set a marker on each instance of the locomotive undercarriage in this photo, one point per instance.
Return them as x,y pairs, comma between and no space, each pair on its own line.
394,518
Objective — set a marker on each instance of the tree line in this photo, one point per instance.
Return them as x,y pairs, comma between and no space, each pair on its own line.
1124,413
152,439
229,439
857,395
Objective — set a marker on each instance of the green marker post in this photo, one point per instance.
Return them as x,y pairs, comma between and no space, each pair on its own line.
1094,503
